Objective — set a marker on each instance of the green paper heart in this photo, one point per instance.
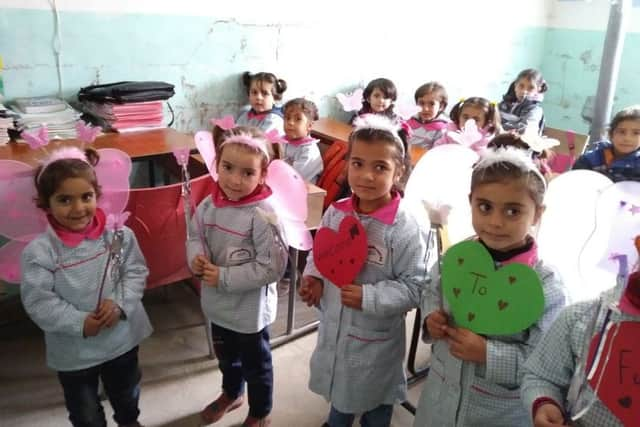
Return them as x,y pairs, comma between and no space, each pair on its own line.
489,301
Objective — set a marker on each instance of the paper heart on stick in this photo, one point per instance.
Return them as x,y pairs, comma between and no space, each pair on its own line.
340,255
487,300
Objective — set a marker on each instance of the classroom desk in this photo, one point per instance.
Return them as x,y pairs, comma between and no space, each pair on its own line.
328,130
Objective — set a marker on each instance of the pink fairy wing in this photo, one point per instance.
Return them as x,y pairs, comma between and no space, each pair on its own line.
568,221
10,261
204,143
20,219
289,201
113,172
351,101
86,133
470,133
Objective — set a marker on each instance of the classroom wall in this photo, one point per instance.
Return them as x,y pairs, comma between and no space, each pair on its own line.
573,49
320,48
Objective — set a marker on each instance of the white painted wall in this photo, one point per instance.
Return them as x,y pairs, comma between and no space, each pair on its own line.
586,15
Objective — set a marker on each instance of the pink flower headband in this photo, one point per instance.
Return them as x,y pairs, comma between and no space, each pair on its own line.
227,123
62,154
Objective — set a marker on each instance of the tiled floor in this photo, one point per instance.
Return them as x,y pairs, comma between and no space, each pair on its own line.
178,377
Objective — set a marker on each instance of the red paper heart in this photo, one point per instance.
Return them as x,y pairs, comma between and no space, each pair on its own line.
619,376
340,256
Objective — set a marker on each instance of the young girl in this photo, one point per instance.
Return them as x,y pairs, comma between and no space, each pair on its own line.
549,370
61,274
264,89
620,158
431,122
301,151
483,112
474,379
357,364
521,106
244,260
378,98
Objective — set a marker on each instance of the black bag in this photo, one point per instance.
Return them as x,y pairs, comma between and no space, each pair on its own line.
123,92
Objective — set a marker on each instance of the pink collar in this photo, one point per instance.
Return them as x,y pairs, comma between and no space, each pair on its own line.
93,231
258,116
385,214
435,124
220,199
529,257
299,141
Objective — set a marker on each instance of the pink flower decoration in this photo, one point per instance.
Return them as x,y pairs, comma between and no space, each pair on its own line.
225,123
181,155
116,221
274,137
86,133
36,139
351,101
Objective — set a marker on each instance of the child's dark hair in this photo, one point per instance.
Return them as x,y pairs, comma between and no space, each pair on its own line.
48,181
490,109
220,135
279,85
370,135
530,74
629,113
389,90
433,87
308,108
505,171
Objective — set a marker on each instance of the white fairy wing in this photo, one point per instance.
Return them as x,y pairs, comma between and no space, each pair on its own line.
204,143
565,228
441,181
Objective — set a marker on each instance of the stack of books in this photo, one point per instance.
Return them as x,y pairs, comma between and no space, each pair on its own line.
6,123
127,117
60,117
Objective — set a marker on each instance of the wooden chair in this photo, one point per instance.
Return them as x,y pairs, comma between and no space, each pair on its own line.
572,146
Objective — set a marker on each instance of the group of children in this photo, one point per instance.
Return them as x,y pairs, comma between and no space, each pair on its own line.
357,365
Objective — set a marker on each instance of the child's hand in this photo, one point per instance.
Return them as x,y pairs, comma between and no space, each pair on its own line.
108,313
198,263
311,290
210,274
548,415
352,296
91,326
436,324
466,345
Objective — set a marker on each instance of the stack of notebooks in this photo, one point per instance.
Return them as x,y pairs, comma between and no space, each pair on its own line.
127,117
6,122
59,116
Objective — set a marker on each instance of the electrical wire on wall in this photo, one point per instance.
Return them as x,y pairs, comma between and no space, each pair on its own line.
57,44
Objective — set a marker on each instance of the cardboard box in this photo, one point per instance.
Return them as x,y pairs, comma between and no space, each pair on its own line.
315,200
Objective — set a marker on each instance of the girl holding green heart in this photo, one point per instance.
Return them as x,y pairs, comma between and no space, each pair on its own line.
474,377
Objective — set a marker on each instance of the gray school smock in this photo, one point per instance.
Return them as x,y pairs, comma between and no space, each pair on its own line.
263,121
59,289
459,393
305,158
358,362
251,260
549,369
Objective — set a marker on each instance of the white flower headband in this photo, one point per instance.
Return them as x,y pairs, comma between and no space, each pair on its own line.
380,122
511,155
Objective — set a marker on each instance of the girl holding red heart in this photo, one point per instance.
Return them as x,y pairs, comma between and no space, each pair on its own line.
357,364
474,378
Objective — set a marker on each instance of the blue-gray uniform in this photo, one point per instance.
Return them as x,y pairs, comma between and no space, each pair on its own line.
251,260
460,393
304,156
265,121
59,290
550,368
357,364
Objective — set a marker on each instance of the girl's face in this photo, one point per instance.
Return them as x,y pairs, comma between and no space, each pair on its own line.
525,87
296,123
378,102
261,96
475,113
73,205
503,213
372,172
429,105
239,172
626,137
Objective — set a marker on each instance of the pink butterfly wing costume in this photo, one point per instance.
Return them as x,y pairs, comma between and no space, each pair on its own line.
26,221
